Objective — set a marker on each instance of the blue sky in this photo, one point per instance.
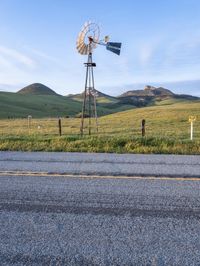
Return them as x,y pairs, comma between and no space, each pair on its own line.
161,44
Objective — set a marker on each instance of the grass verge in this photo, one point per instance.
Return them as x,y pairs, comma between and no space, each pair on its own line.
119,144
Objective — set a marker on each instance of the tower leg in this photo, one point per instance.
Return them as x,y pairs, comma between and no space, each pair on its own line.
84,100
95,103
88,94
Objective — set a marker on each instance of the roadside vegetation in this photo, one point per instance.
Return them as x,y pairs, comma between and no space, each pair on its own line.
118,144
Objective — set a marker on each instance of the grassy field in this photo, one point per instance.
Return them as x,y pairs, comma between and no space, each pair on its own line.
167,131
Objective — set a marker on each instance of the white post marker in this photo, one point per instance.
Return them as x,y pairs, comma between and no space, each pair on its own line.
191,120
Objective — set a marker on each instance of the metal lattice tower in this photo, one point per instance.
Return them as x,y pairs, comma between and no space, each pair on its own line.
87,41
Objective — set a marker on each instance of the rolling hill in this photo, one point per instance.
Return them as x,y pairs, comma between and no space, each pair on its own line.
37,89
149,91
101,97
40,101
154,96
15,105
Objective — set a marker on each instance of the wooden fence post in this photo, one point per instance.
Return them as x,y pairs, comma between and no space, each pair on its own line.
29,123
59,126
143,127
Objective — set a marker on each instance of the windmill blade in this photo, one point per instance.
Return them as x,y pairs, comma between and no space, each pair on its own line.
83,44
83,49
114,47
80,47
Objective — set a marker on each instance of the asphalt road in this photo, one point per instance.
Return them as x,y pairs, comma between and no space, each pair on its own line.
57,220
63,219
101,164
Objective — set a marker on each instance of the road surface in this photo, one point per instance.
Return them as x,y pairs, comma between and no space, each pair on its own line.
101,164
58,219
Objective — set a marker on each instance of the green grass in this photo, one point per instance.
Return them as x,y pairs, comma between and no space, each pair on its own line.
100,144
167,131
19,105
39,106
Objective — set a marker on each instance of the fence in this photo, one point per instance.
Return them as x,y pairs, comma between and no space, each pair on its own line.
107,126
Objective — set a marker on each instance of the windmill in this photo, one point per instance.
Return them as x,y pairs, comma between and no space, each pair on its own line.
87,41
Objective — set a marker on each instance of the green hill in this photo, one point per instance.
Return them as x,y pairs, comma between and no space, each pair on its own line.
18,105
151,96
37,89
101,97
40,101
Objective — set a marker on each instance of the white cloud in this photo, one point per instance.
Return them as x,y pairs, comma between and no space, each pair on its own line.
41,54
12,56
16,68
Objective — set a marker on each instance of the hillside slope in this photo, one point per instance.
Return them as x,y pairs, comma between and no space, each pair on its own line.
40,101
21,105
154,96
149,91
100,97
37,89
17,105
161,121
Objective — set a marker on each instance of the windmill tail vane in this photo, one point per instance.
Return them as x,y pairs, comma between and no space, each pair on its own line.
114,47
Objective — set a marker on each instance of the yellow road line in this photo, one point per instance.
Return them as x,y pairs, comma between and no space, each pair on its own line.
21,173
